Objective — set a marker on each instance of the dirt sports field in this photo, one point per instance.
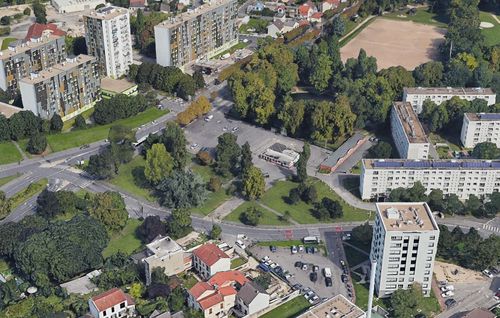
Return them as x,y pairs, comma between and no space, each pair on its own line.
395,43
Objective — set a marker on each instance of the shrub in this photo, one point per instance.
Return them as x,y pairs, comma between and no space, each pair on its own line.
214,184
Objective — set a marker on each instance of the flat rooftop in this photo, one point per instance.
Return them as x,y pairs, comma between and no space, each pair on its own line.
164,246
406,216
21,46
8,110
483,116
336,307
107,13
449,90
411,125
57,69
448,164
116,85
192,13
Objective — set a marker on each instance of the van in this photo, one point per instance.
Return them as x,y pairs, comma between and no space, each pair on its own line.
327,272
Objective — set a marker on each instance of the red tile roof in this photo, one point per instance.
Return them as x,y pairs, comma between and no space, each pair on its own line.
110,298
304,9
199,288
335,2
303,22
224,278
227,291
317,15
36,30
211,301
137,3
209,254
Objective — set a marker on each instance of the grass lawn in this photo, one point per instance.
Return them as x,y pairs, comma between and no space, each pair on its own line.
421,16
8,179
63,141
213,201
275,198
357,168
125,241
4,266
491,35
361,291
205,172
443,152
256,24
453,142
131,178
354,257
188,280
28,192
238,46
268,217
9,153
70,122
289,309
6,41
237,262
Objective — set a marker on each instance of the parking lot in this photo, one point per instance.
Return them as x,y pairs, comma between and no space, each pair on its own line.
287,261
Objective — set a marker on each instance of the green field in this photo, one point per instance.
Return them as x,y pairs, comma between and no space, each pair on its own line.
63,141
214,199
8,179
491,35
421,16
6,42
275,198
131,178
9,153
125,241
289,309
70,122
268,217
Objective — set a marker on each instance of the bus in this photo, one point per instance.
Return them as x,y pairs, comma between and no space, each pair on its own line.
311,240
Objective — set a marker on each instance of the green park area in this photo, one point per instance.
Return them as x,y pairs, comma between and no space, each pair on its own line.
131,178
491,34
267,216
124,241
291,308
9,153
421,15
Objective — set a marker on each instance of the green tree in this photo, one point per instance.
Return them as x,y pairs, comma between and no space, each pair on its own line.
302,163
198,79
436,200
453,205
253,183
246,158
406,303
175,142
486,150
381,150
159,164
176,299
227,155
4,128
27,11
342,118
251,216
291,114
321,73
40,12
338,25
398,78
150,228
80,122
429,74
363,234
37,144
181,190
216,232
109,209
56,123
5,205
179,224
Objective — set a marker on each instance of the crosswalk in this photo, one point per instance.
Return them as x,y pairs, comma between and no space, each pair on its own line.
491,228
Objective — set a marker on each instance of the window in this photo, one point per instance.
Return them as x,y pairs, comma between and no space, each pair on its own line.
210,311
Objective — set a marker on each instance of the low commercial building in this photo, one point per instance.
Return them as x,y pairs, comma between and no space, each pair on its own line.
281,155
417,95
67,89
407,132
209,259
335,159
337,306
166,254
279,27
480,127
37,30
68,6
111,87
197,34
250,300
461,177
404,245
112,304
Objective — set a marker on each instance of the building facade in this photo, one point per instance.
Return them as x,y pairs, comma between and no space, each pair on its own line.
251,300
113,303
108,38
404,245
337,306
66,89
166,254
407,132
417,95
460,177
480,127
67,6
23,58
198,34
209,259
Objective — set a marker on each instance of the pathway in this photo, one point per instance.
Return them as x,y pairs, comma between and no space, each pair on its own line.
277,213
369,18
225,209
496,18
20,150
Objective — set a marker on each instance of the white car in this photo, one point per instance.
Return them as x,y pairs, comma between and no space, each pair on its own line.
274,265
301,248
447,288
209,118
193,146
448,294
487,273
240,244
294,249
309,294
265,259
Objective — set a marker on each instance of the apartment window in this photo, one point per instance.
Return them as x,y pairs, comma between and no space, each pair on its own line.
210,311
431,244
122,305
427,265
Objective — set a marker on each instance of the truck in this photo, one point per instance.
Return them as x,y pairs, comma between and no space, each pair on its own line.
327,272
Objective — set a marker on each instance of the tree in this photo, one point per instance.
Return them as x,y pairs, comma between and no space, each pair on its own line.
406,303
292,114
181,190
294,196
253,183
302,163
227,155
80,122
109,209
342,118
214,184
176,299
37,144
264,280
436,200
56,123
175,142
453,205
40,12
216,232
363,234
429,74
486,150
251,216
5,20
246,158
204,158
381,150
328,209
198,79
338,25
321,73
309,194
151,228
159,164
398,78
24,124
179,224
5,205
27,11
102,166
51,204
186,87
4,128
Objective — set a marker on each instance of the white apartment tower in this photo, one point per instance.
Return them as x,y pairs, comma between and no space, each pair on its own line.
198,34
107,34
404,244
417,95
407,132
480,127
461,177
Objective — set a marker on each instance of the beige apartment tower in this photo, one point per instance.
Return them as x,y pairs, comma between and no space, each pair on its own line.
407,132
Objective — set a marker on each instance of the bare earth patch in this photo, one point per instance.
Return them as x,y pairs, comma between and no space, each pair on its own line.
396,43
456,274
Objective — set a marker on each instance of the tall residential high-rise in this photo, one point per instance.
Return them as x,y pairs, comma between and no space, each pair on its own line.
66,89
404,245
197,34
107,34
24,57
407,132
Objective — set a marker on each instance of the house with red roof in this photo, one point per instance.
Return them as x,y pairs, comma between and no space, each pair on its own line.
218,295
209,259
306,10
36,30
112,304
316,17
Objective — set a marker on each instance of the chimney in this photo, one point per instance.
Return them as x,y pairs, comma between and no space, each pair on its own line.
372,287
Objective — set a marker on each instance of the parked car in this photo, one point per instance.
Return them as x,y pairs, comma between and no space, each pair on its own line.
497,295
309,294
301,248
294,249
272,248
240,244
342,263
344,278
264,259
447,288
328,282
327,272
298,264
314,299
313,277
304,267
487,273
450,302
448,294
297,286
315,268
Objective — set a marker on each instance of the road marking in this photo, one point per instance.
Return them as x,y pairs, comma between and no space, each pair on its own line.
491,228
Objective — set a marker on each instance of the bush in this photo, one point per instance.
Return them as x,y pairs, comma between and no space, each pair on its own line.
27,11
5,20
80,122
214,184
294,196
37,144
310,194
204,158
119,107
251,216
4,31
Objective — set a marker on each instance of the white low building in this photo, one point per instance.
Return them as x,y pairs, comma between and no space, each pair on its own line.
407,132
480,127
460,177
278,28
250,300
112,304
68,6
281,155
417,95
